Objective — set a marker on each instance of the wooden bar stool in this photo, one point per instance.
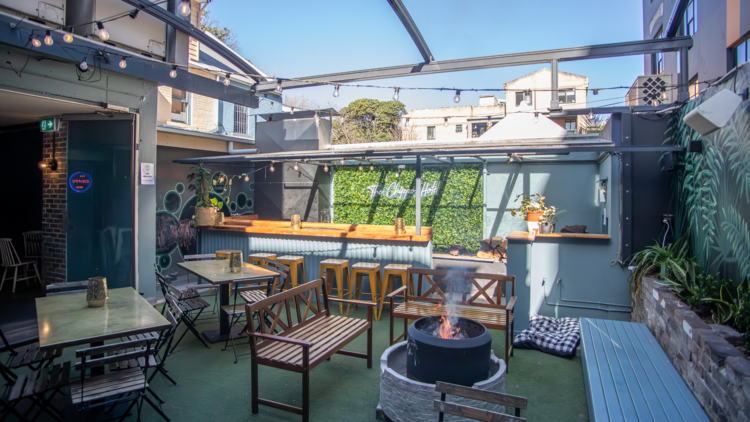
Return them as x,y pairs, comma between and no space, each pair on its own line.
335,269
390,272
292,261
260,258
372,271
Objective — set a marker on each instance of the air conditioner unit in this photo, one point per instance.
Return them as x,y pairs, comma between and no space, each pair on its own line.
650,90
144,34
52,11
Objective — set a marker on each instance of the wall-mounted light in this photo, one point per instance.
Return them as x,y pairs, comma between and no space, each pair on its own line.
51,164
101,32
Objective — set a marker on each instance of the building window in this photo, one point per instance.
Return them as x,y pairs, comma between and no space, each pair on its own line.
240,119
520,98
570,125
180,106
430,133
459,128
690,22
566,96
739,54
478,129
657,59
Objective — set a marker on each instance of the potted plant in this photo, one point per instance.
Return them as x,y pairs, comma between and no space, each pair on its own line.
532,207
548,219
205,206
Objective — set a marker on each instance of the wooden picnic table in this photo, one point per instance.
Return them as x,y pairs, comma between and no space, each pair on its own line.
217,273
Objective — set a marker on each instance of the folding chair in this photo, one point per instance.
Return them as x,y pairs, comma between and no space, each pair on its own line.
129,385
28,355
40,387
199,285
187,307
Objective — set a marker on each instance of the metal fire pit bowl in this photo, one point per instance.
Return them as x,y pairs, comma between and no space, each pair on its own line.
463,362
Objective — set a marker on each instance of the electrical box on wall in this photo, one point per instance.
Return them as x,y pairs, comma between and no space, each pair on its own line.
145,33
50,10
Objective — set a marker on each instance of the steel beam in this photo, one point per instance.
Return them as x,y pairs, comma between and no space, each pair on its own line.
554,102
184,25
612,110
684,76
515,59
675,19
108,57
412,29
441,160
419,195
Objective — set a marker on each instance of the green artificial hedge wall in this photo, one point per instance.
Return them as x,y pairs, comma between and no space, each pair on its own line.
454,210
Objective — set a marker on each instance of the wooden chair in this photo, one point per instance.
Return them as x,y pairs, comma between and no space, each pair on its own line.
32,245
482,303
293,261
390,272
442,407
40,387
9,259
372,271
129,385
336,270
307,340
28,355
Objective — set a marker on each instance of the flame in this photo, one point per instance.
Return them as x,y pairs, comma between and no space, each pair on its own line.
446,330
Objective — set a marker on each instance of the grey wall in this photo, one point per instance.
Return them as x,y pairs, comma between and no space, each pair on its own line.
285,192
146,195
293,135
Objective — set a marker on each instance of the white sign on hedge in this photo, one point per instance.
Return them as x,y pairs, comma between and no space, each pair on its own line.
395,190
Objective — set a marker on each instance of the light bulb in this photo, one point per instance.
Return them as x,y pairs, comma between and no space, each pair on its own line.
336,91
226,80
527,97
173,72
457,98
48,39
663,94
68,37
83,65
591,114
184,8
596,92
360,167
123,63
395,94
343,161
296,167
42,165
271,168
536,117
445,122
278,85
325,168
103,34
247,178
372,167
292,111
35,42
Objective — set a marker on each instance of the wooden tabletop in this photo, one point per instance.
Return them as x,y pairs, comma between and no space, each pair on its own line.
531,236
336,231
217,271
67,320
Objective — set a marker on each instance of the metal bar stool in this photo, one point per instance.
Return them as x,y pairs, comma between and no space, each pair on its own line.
293,261
260,259
390,272
372,271
334,269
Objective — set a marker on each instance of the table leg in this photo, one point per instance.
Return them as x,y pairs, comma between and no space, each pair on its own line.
99,370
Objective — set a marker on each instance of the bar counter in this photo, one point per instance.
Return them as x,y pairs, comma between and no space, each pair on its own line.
319,241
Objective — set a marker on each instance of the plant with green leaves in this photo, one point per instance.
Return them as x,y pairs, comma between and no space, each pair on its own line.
528,204
731,309
707,286
198,180
671,262
551,215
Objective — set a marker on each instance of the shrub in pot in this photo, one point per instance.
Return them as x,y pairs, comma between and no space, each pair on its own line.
532,208
205,206
548,219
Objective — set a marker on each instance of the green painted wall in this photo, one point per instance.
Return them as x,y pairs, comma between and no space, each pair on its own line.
712,190
452,205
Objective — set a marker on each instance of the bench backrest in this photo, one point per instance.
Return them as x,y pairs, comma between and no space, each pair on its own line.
460,288
278,309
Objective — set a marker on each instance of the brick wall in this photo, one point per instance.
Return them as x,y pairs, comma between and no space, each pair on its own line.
717,373
204,113
55,207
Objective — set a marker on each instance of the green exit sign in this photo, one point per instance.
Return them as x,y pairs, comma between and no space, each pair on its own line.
49,125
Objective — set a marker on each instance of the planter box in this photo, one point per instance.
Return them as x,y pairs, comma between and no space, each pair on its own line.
717,373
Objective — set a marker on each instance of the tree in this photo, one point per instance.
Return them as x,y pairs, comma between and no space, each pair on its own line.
210,24
368,120
300,102
594,125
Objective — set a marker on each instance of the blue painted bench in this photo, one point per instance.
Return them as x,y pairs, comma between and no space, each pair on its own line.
628,376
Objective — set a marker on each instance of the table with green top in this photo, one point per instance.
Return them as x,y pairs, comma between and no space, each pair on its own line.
217,272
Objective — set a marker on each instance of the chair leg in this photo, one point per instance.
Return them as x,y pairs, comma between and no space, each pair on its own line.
293,275
304,276
158,409
306,395
3,281
254,384
374,281
15,278
37,275
340,288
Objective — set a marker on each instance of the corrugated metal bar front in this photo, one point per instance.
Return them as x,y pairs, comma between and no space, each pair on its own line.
314,251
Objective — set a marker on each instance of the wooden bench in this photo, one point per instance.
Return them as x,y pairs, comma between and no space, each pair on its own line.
469,412
480,302
629,377
310,336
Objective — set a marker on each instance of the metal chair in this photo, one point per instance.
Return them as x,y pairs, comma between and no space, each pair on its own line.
9,259
129,385
199,285
40,387
28,355
187,307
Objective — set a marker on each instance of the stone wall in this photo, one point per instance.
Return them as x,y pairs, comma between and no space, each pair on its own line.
55,205
717,373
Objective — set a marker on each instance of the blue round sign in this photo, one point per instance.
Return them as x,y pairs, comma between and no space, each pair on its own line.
80,182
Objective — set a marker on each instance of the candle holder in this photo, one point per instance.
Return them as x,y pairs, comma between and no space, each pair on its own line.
295,222
96,293
399,226
235,262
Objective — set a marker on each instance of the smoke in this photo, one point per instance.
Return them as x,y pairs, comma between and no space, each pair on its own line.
447,326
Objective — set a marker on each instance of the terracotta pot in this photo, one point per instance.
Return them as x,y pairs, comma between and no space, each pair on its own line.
533,216
205,217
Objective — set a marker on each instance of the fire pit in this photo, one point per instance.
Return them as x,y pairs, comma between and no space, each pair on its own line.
450,349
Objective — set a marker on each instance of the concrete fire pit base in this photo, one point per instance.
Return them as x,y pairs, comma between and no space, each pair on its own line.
402,399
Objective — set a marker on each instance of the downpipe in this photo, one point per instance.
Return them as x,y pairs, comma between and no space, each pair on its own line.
232,151
595,308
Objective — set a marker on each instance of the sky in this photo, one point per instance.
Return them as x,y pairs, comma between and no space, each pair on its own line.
298,38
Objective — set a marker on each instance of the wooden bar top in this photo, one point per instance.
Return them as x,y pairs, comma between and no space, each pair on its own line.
327,230
530,237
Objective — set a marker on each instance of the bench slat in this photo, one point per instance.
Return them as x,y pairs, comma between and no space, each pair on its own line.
629,377
493,318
